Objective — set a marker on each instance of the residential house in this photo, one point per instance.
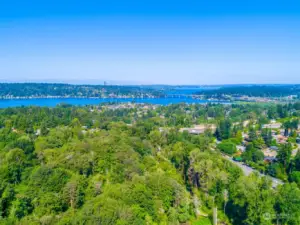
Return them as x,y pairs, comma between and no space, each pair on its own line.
241,148
272,126
270,155
199,129
274,148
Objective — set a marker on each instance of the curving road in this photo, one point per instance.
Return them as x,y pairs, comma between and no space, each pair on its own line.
248,170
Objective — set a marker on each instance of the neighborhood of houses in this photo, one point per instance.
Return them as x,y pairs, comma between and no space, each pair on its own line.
270,153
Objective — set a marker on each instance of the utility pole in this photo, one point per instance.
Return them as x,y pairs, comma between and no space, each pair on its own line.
215,215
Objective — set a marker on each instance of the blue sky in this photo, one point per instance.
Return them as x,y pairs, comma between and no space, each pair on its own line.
170,42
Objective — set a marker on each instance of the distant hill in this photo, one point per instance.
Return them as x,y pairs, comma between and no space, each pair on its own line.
23,90
253,90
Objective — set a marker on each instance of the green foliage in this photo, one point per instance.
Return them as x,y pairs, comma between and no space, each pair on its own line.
223,130
267,137
96,165
295,177
253,90
277,170
47,179
288,204
253,200
21,207
284,155
202,221
227,147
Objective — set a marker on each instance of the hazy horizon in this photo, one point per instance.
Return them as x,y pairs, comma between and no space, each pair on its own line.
131,83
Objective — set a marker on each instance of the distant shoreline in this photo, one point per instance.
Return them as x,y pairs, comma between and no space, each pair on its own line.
52,102
77,97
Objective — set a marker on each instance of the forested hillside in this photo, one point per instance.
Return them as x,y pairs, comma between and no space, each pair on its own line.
254,90
118,165
42,90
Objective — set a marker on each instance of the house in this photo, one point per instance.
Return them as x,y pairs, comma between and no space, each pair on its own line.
269,159
272,126
241,148
280,139
274,148
270,155
193,130
199,129
269,152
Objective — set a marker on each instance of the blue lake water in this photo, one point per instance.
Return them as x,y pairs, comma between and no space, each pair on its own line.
93,101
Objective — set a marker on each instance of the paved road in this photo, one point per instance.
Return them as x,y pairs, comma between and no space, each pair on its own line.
248,170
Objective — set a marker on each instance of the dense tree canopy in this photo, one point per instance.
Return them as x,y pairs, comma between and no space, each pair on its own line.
97,165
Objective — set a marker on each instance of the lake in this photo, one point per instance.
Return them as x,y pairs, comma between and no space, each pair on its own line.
51,102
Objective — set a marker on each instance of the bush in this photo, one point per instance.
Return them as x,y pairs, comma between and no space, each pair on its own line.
227,147
295,177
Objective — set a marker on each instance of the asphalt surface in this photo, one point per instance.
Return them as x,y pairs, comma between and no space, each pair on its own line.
248,170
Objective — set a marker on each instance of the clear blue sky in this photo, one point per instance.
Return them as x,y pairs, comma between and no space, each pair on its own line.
171,42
